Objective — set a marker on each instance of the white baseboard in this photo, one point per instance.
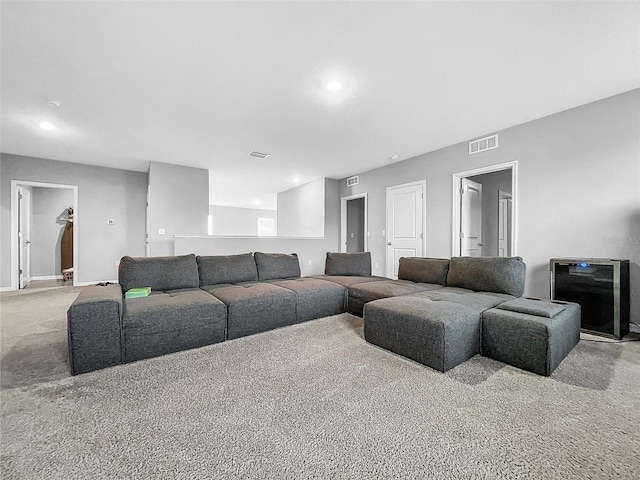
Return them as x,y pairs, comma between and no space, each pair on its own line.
7,289
46,277
84,284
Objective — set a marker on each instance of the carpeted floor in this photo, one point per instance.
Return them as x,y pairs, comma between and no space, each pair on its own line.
308,401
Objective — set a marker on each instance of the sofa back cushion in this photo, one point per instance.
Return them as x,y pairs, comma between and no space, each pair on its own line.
277,265
357,264
424,270
488,274
159,273
218,269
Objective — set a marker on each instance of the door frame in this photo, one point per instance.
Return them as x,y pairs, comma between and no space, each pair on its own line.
24,264
14,226
457,202
387,221
467,218
505,196
343,221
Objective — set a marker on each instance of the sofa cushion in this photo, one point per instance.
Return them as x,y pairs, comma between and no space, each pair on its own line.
489,274
227,269
348,280
315,298
159,273
362,293
476,301
348,264
423,270
166,322
534,306
255,307
277,265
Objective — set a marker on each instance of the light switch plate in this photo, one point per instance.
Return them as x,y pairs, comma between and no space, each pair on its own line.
161,231
111,221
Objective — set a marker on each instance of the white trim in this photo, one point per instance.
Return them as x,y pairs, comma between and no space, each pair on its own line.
457,186
14,226
424,220
46,277
86,284
7,289
343,221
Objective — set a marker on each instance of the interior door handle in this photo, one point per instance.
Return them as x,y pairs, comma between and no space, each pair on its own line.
481,244
388,243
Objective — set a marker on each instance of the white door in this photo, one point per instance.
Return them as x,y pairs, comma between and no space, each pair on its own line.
147,246
504,224
405,224
471,219
24,236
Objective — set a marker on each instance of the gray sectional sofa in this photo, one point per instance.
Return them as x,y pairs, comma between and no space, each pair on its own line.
433,313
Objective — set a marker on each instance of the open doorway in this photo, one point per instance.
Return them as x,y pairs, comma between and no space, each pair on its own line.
353,220
484,211
44,233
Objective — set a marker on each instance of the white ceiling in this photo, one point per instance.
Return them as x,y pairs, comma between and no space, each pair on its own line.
203,83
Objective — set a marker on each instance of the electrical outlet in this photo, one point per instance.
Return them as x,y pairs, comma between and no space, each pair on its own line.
375,265
161,231
111,221
368,233
384,234
309,262
117,263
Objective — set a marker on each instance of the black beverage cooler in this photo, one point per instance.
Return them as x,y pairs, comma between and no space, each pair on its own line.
600,286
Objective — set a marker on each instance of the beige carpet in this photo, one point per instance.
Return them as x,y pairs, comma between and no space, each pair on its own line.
312,401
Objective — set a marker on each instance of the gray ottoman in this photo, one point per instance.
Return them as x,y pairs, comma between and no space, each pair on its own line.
438,334
535,335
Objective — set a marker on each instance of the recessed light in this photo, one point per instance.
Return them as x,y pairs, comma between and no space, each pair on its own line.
47,126
393,157
53,103
334,86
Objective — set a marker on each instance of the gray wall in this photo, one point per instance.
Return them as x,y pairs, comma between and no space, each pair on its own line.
103,193
239,221
355,225
178,203
491,184
578,189
301,210
49,213
308,249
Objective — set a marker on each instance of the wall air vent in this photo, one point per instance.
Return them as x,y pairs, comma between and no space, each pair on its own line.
486,143
253,153
351,181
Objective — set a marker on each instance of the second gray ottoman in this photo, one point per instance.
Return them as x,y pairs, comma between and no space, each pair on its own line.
440,335
535,335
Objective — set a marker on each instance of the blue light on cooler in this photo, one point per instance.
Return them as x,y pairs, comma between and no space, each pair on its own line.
583,264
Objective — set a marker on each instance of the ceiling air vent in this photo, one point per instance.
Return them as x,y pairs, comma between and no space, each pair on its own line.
351,181
253,153
486,143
